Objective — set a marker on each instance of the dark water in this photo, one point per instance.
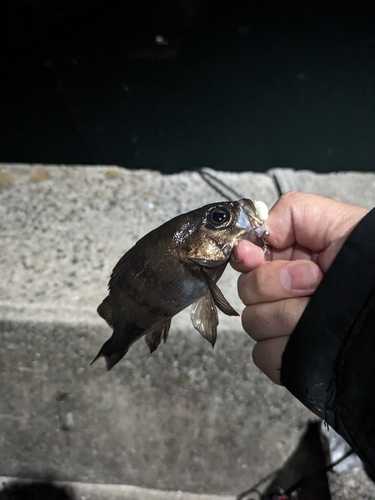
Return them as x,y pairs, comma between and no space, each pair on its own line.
251,86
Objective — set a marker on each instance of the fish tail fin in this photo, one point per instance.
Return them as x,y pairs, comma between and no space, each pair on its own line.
125,333
111,352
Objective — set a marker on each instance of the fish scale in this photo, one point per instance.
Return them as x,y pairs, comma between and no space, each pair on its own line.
172,267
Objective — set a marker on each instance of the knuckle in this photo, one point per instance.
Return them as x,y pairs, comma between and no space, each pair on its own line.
257,285
257,320
261,281
247,320
289,196
290,312
263,316
249,288
241,287
292,199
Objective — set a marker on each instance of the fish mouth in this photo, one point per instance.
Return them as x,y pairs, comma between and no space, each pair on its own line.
251,223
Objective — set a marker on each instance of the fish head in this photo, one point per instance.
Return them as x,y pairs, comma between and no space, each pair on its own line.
222,226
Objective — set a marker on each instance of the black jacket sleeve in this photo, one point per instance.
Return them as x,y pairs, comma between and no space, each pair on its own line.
329,361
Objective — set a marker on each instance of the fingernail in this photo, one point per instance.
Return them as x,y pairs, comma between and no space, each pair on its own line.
234,258
301,276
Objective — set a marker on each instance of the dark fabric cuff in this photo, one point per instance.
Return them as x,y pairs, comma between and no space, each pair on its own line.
328,363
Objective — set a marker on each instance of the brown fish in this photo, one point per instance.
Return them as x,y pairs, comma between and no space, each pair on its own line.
173,266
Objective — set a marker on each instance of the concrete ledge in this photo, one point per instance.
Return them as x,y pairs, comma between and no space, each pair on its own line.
96,491
344,486
64,228
186,418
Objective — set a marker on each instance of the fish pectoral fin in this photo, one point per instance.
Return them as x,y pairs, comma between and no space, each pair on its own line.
205,318
154,338
201,261
219,298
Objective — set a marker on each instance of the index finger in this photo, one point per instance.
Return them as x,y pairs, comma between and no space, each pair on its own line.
246,256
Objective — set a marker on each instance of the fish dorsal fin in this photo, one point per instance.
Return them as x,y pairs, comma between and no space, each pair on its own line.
205,318
219,298
154,338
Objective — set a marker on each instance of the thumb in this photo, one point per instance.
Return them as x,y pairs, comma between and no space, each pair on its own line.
313,222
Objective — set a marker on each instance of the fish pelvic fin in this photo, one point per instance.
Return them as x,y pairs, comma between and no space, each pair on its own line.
204,317
154,338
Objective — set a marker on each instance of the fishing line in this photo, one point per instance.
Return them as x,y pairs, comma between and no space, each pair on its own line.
214,183
277,185
254,489
217,184
296,485
327,468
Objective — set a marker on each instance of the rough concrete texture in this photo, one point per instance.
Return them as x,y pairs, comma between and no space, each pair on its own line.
187,417
349,187
351,485
97,491
63,229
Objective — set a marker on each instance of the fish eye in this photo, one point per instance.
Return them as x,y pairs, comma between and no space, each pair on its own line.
218,217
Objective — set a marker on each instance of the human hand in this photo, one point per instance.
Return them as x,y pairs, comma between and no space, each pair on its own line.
306,233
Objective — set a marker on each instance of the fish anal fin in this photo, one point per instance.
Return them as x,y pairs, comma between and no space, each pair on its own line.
154,338
205,318
219,298
105,310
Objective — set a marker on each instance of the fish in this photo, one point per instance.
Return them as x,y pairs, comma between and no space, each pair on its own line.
172,267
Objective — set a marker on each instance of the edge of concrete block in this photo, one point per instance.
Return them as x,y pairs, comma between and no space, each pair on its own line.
97,491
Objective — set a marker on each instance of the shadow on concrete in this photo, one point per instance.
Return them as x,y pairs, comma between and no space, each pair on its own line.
303,475
35,491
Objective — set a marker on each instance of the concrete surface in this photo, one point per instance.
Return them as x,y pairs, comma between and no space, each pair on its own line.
187,418
97,491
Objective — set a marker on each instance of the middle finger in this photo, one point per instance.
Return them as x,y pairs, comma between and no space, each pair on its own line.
273,319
